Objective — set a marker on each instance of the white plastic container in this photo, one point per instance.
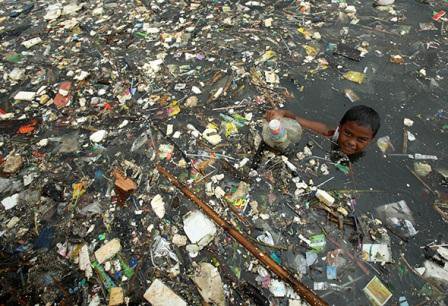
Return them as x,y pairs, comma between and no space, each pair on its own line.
324,197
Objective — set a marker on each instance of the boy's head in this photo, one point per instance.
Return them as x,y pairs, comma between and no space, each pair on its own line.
357,129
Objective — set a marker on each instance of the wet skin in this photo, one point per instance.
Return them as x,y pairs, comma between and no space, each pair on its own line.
353,137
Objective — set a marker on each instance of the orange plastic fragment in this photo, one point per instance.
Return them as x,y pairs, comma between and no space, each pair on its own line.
122,182
28,128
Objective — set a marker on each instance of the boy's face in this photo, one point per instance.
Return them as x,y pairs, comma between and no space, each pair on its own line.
354,138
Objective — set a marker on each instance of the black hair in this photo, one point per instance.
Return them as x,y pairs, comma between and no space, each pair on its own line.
363,115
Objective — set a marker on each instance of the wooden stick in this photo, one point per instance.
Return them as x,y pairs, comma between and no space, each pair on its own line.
421,180
283,274
405,140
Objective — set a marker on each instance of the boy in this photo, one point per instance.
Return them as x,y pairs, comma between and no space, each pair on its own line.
356,129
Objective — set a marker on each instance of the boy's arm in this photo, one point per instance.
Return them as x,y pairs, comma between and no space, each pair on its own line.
315,126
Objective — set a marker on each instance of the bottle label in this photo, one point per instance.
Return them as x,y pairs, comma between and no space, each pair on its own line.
280,136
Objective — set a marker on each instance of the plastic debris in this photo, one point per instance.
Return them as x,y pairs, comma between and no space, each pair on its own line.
376,252
84,261
158,294
198,228
124,183
96,96
11,202
324,197
25,96
209,283
12,164
399,217
422,169
108,250
385,144
98,136
116,296
377,292
355,76
351,95
281,133
212,136
384,2
158,206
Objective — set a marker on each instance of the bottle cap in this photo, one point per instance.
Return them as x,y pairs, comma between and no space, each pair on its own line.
274,126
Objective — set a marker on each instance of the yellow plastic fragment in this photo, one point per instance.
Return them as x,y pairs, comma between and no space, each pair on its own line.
269,55
173,108
355,76
212,125
310,50
78,190
230,128
307,34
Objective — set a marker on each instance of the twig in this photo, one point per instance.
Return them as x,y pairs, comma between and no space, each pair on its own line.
236,212
377,30
208,156
229,107
276,247
324,182
404,239
405,140
357,191
286,45
343,286
283,274
418,274
420,180
351,256
204,177
318,145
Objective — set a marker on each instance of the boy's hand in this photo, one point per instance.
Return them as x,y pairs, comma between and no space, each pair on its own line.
274,113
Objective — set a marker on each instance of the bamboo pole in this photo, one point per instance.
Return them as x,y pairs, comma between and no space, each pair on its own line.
299,287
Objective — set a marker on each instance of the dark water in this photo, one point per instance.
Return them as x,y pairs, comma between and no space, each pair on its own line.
396,92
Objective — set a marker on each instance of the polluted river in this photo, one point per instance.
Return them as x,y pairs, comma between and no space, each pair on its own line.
136,167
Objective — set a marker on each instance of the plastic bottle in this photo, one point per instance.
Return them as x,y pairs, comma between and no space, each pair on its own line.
281,133
324,197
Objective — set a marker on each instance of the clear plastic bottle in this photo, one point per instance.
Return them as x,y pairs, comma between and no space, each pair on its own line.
281,133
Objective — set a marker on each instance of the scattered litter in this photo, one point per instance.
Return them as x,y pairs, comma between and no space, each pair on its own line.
97,96
12,164
32,42
158,206
98,136
116,296
384,144
422,168
158,294
10,202
25,96
324,197
199,228
398,217
376,252
355,76
377,293
108,250
351,95
209,283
